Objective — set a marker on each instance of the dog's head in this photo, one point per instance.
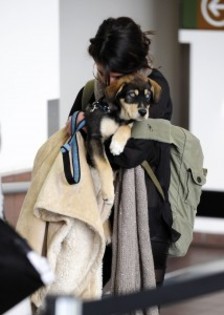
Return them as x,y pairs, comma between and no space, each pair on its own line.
133,94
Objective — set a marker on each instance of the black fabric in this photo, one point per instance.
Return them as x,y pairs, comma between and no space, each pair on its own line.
107,263
67,168
164,108
135,152
18,278
77,105
158,155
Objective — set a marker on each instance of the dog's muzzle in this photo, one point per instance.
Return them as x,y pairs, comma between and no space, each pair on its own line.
142,112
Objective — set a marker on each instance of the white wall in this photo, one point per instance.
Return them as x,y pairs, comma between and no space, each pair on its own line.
167,50
207,98
29,77
29,61
79,21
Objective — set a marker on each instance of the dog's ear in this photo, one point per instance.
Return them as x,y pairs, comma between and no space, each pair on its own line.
113,89
156,90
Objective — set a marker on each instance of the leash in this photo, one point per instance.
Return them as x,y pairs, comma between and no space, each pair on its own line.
100,104
72,176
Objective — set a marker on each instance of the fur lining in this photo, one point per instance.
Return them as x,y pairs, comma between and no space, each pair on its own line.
65,222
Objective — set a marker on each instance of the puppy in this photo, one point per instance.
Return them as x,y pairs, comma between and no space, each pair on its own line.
128,99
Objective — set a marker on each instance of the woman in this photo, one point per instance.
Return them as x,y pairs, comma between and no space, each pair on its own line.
120,47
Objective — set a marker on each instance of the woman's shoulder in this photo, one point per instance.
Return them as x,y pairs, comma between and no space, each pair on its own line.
77,104
164,106
158,76
84,96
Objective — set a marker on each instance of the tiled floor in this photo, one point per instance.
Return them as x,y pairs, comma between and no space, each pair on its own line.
212,304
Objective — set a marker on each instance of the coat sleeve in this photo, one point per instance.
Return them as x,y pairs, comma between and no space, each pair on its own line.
135,152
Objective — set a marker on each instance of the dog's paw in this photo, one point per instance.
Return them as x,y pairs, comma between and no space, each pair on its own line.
108,198
116,147
107,193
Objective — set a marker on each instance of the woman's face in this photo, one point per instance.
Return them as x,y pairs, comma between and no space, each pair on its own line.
101,75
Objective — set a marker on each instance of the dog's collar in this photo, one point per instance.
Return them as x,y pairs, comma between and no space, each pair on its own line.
126,122
105,107
100,105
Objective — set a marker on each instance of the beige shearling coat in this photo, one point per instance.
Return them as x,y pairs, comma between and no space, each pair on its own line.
65,222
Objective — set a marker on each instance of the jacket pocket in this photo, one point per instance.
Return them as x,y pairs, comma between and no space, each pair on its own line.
196,178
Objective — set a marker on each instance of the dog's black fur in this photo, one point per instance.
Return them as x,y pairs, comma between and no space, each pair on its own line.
126,100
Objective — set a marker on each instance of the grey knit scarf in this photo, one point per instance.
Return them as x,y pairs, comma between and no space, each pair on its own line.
132,262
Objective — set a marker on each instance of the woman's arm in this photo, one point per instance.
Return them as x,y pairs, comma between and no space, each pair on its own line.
135,152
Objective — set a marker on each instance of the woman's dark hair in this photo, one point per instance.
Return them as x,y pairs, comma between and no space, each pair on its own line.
120,46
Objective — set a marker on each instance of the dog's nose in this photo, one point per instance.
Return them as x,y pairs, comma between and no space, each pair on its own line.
142,111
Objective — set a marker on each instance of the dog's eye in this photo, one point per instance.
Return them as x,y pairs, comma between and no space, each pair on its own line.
148,95
130,96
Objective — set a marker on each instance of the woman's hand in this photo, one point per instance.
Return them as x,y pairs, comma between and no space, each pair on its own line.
80,117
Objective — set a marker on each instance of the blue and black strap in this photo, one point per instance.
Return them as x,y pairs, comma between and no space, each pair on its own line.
73,176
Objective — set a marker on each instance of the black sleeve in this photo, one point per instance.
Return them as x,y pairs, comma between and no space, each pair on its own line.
135,152
163,109
77,105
